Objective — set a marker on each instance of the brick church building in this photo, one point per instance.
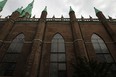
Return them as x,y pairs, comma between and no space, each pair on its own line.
47,47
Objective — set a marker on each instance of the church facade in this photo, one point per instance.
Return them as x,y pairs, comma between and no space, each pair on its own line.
47,47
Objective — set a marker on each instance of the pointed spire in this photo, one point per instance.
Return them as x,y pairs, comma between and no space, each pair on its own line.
96,10
91,19
110,18
28,9
62,16
82,16
34,16
20,10
90,16
45,9
71,9
2,4
53,16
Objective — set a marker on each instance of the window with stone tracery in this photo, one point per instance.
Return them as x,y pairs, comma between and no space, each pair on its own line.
102,52
58,57
101,49
8,63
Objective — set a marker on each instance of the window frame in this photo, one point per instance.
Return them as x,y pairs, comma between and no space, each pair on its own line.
58,62
18,39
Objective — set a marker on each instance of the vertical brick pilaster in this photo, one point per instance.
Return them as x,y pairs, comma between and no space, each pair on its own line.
35,55
77,35
106,25
7,27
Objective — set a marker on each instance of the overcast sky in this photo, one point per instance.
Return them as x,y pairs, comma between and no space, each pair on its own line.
61,7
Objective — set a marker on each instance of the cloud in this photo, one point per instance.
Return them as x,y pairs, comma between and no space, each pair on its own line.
61,7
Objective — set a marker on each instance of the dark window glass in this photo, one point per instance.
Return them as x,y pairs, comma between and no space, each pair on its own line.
108,58
16,44
54,57
57,57
101,49
62,66
8,63
53,70
62,73
6,69
10,57
61,46
61,57
101,57
54,46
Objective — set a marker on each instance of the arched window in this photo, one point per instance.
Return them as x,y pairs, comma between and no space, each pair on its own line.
17,44
57,57
8,63
101,49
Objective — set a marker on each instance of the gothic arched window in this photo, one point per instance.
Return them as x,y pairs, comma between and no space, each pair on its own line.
8,63
101,49
58,57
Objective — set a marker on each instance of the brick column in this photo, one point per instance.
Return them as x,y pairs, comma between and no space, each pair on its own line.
35,56
78,41
8,26
106,25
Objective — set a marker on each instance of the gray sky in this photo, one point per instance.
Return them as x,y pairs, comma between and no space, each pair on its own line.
61,7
